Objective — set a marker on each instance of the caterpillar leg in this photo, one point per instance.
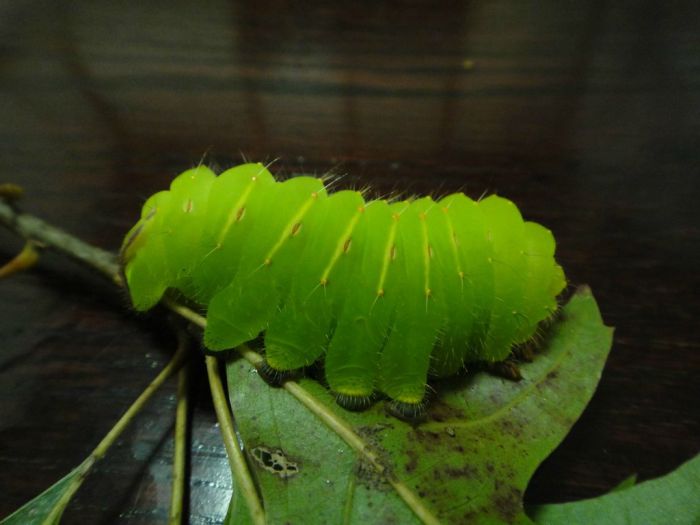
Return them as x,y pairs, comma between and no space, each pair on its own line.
293,341
406,358
351,363
408,411
355,403
273,376
239,312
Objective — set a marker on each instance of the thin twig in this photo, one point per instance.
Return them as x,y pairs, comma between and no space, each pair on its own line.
239,467
179,455
32,228
100,450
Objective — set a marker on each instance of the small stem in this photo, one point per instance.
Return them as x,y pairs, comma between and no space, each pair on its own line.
179,454
100,450
239,468
24,260
34,229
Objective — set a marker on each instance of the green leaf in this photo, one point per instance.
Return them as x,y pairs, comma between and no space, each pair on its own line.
626,483
47,507
469,462
674,498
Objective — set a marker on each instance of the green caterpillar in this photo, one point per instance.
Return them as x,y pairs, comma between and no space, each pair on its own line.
385,292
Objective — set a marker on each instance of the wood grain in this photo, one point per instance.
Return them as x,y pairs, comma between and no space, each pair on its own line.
585,114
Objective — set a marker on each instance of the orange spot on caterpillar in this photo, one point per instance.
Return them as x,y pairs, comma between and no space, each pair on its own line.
295,229
347,244
240,213
445,209
361,209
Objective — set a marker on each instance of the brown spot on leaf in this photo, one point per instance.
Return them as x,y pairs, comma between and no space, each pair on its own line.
440,411
510,428
508,503
427,436
466,471
365,472
367,475
412,460
274,461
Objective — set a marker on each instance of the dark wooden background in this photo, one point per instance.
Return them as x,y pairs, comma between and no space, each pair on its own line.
584,113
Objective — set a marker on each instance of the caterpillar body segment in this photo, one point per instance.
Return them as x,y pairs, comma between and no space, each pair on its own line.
386,293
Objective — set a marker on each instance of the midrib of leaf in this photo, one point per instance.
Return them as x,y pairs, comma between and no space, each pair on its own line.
337,424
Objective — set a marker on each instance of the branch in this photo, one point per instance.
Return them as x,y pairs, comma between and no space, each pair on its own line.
179,455
46,236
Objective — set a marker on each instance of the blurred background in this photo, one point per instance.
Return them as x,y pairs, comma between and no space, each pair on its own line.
584,113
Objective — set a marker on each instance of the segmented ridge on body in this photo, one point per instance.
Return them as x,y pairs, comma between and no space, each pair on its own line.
386,293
